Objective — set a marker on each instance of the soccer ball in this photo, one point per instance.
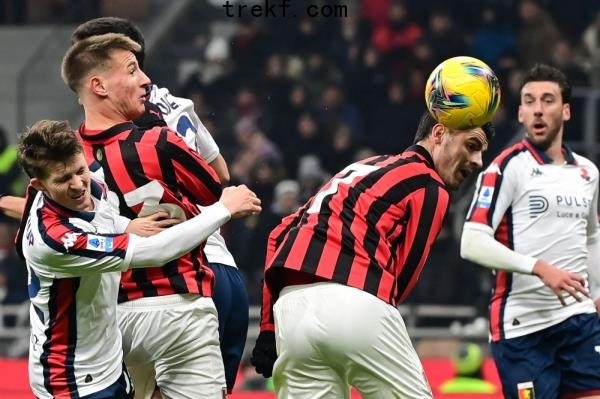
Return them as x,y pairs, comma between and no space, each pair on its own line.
462,93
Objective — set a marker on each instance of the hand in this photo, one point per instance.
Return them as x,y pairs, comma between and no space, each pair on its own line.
152,224
264,353
240,201
597,303
559,280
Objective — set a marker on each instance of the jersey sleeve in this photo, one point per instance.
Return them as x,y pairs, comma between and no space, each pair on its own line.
182,118
493,195
276,237
71,251
194,176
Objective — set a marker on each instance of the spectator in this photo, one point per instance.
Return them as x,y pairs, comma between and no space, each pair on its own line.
536,32
311,176
591,44
564,58
493,39
399,34
444,36
343,148
12,179
286,201
305,138
394,112
334,109
248,50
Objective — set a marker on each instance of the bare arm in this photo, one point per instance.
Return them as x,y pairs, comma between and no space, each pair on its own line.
12,206
220,166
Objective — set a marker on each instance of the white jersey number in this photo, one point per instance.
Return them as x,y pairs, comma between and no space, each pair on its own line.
346,176
150,195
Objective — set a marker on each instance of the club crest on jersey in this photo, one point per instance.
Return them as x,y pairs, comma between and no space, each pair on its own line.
99,243
585,175
485,197
69,240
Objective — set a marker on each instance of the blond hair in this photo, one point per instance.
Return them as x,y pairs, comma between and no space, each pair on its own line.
92,54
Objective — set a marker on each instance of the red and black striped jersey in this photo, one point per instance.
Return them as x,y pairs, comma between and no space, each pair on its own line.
151,170
370,227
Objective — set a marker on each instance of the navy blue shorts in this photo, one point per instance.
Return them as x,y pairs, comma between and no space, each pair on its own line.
231,301
562,361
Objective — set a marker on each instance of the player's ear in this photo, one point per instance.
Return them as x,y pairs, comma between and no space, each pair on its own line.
520,114
566,112
97,86
37,184
437,132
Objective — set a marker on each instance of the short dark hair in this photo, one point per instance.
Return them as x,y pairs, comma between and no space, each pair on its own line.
427,122
104,25
548,73
47,141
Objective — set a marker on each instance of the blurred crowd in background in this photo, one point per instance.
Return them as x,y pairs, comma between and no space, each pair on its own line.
291,101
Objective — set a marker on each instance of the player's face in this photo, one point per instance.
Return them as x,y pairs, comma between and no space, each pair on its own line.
543,113
460,155
68,183
126,84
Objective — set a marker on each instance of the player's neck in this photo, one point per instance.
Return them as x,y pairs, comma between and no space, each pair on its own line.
97,118
555,152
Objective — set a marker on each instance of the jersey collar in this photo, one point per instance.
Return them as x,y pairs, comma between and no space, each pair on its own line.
542,158
60,210
90,135
422,152
97,192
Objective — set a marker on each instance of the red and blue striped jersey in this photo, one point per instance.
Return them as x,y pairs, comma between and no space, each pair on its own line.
543,210
74,261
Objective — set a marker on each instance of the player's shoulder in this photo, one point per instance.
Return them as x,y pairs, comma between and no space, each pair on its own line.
511,154
588,168
512,158
160,94
585,162
57,233
156,93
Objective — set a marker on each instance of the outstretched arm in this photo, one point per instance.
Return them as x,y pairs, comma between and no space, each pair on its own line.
479,245
12,206
171,243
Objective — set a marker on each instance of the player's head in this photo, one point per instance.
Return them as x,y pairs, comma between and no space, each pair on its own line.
104,72
53,157
545,98
103,25
456,153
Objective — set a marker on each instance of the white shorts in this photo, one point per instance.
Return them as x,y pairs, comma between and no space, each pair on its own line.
331,336
173,340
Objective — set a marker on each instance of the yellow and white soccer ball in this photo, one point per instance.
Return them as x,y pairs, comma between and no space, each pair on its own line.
462,93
